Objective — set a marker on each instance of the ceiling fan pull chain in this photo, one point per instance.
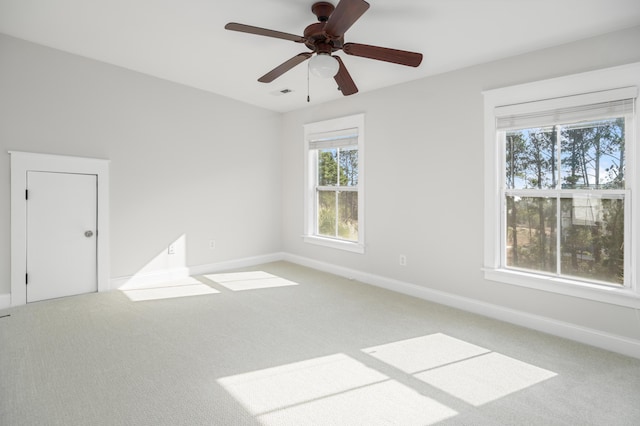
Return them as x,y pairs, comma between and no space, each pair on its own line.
308,72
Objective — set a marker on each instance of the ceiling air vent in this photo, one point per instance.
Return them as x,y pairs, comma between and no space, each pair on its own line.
281,92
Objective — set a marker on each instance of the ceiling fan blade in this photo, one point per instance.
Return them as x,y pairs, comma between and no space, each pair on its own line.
344,80
284,67
401,57
346,13
234,26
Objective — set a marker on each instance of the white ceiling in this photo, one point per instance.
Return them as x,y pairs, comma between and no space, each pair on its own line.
185,40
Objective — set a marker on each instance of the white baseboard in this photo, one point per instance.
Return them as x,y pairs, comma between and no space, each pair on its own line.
608,341
5,301
151,279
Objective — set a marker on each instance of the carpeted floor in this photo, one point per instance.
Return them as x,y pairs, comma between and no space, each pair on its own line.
281,344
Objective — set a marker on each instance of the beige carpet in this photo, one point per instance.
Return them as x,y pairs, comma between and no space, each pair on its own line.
281,344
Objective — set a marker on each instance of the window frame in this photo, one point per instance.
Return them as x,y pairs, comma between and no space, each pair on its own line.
329,127
559,92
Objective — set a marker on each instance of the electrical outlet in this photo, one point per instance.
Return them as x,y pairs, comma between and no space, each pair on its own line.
212,244
403,260
171,249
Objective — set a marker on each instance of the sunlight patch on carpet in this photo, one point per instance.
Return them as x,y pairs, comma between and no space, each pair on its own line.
170,290
253,280
471,373
486,378
335,389
425,352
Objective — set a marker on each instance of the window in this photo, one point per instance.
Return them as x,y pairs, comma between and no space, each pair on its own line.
564,192
334,187
560,157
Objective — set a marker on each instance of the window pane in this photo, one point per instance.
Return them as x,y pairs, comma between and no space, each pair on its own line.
593,155
348,215
531,158
531,233
327,213
328,167
592,244
349,166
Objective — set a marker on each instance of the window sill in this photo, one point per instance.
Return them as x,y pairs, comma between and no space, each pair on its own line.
611,295
337,244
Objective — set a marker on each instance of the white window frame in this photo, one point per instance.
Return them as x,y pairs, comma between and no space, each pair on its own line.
311,131
594,86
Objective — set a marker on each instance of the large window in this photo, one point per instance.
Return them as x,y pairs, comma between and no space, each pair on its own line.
558,199
334,196
564,193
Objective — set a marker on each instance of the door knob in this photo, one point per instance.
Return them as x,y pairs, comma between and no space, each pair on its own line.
88,234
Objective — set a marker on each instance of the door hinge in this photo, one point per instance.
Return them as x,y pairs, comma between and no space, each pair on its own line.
26,194
26,278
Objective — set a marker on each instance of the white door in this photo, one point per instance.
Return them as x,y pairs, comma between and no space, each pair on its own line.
61,235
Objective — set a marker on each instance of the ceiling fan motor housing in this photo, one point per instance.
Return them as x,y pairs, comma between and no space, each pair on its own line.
316,40
315,37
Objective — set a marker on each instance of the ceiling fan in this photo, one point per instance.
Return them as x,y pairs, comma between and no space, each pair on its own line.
327,36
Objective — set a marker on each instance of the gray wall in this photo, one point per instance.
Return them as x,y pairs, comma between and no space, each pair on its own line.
183,161
424,180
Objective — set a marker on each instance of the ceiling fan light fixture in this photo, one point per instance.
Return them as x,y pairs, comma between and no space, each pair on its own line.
324,65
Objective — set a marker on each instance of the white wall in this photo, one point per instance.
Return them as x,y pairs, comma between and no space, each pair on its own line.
424,180
183,161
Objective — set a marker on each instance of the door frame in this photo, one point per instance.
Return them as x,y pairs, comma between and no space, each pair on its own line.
21,163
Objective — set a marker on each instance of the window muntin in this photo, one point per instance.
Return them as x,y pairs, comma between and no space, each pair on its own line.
564,198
